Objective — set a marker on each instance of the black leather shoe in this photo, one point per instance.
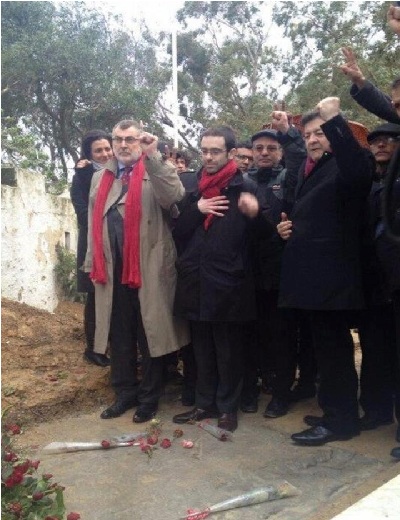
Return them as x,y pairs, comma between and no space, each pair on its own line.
301,392
313,420
318,436
144,413
395,453
276,408
197,414
118,408
101,360
228,421
249,405
371,421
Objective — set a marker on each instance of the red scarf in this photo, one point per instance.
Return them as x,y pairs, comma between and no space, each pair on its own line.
133,212
211,185
310,164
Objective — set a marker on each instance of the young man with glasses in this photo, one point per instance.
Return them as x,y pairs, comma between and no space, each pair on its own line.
244,156
215,289
131,260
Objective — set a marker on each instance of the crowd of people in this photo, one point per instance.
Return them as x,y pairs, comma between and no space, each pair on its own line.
255,268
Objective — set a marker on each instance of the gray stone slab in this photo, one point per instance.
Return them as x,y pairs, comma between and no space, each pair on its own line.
123,484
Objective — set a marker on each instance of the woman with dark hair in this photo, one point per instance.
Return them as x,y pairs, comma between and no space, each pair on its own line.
96,150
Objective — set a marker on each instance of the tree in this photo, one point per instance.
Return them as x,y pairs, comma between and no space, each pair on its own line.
65,71
227,67
318,31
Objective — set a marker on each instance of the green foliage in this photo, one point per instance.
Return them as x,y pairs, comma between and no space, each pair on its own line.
317,32
21,148
227,67
24,494
65,271
65,69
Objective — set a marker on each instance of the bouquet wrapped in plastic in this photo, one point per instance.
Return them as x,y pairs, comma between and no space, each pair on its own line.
257,496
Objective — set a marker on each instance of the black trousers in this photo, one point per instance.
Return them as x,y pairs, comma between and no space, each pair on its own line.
334,350
379,381
218,353
306,362
271,347
126,335
89,320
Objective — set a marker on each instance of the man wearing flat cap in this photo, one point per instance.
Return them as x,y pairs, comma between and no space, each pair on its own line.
380,382
273,339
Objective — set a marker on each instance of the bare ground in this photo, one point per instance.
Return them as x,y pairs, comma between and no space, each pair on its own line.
44,375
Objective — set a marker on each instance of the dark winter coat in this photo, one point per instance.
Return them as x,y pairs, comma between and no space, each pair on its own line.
378,103
266,252
387,249
275,196
375,101
80,189
215,280
321,262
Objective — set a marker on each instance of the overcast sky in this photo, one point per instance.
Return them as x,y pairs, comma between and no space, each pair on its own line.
157,14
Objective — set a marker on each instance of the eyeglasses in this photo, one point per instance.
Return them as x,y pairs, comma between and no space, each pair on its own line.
128,140
244,157
213,151
270,148
384,139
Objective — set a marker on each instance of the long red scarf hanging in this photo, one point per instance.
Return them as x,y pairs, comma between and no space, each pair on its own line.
98,273
133,215
212,185
133,212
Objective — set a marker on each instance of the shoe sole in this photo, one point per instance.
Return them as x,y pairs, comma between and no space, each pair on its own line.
321,443
138,419
272,415
249,410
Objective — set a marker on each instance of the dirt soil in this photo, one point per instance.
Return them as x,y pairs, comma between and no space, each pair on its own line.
44,374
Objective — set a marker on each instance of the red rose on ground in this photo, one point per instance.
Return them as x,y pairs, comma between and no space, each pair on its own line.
10,457
152,440
14,429
178,433
38,495
15,507
187,444
165,443
73,516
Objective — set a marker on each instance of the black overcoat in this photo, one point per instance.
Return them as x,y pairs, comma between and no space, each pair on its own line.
215,281
80,189
321,262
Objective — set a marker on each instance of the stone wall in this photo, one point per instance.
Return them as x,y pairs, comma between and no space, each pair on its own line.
33,222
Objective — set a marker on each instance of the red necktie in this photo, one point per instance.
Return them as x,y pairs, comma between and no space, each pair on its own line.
126,175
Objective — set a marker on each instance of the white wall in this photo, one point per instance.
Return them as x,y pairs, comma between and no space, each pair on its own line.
32,223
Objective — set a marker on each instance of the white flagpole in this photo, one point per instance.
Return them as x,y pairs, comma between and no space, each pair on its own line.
175,105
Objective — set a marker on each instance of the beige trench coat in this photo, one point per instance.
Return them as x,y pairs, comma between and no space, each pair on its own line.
161,189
